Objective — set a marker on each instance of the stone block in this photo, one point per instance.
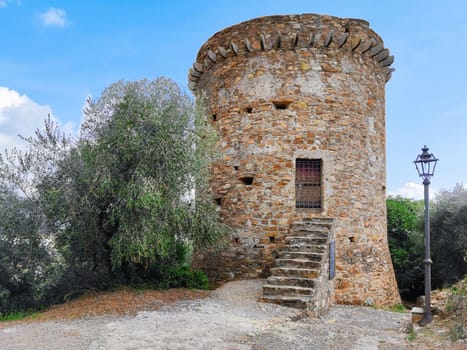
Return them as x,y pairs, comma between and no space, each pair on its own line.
417,314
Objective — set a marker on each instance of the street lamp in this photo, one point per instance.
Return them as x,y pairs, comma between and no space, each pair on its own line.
426,164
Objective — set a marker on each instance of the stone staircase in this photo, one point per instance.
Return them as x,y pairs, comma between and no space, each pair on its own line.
300,277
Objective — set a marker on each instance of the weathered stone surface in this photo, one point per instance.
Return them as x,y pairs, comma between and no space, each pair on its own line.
343,39
365,46
382,55
223,52
212,56
376,50
387,62
335,112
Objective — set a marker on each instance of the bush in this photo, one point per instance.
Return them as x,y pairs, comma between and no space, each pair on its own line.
184,277
166,277
70,283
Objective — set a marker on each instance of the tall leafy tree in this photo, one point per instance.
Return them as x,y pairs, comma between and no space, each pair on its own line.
25,260
449,236
27,256
448,227
124,194
406,244
117,203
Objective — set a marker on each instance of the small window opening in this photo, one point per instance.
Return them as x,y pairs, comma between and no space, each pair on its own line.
352,239
247,180
235,167
308,183
272,239
218,201
236,239
214,117
249,109
281,104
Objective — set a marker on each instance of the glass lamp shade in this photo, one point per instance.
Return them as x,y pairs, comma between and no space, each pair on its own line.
426,163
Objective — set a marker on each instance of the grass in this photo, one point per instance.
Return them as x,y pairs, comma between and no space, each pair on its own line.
456,332
412,336
15,316
394,308
398,308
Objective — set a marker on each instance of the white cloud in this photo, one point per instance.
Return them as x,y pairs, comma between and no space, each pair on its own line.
413,190
410,190
54,17
19,115
10,98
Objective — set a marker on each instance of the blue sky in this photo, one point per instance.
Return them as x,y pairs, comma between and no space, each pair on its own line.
53,54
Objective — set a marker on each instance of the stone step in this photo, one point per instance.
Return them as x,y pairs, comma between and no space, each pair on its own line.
309,233
294,272
298,302
306,263
290,281
310,224
312,256
312,248
305,227
269,289
305,240
322,220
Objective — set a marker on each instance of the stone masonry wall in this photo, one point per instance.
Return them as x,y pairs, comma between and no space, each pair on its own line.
299,86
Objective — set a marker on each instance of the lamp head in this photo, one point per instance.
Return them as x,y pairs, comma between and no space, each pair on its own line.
426,164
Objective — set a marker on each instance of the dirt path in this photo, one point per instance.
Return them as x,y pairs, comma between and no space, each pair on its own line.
230,318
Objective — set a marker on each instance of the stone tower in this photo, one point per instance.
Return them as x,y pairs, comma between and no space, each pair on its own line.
298,104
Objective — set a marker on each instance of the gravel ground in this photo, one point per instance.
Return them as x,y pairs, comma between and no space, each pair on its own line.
231,318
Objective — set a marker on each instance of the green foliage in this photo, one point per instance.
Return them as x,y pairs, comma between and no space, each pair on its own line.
403,216
24,259
449,237
181,277
116,205
457,332
145,165
123,191
448,227
14,316
398,308
412,335
406,245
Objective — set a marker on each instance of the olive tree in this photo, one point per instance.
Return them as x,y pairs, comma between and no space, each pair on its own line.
24,258
117,202
124,193
449,236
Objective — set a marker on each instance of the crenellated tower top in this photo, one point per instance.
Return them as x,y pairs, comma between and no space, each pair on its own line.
293,32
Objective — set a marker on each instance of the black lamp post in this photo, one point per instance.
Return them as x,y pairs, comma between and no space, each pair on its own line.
426,164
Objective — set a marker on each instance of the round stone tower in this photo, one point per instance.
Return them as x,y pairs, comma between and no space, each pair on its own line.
298,104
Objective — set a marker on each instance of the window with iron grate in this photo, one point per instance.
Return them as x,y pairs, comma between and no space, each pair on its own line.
308,183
